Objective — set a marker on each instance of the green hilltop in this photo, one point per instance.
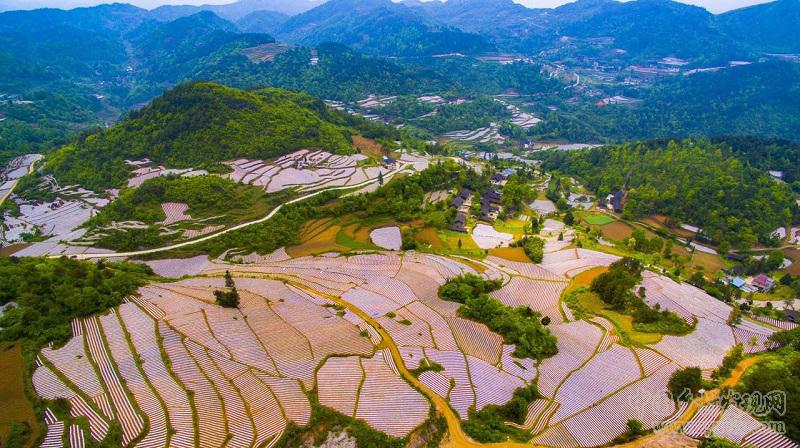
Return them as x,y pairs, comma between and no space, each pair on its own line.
201,124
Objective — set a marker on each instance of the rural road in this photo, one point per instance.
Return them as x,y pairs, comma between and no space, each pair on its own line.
11,190
90,255
456,436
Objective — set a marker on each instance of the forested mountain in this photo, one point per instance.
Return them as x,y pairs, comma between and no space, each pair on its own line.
236,11
165,53
199,124
266,22
652,28
643,28
379,27
508,24
58,87
691,181
758,99
770,27
340,74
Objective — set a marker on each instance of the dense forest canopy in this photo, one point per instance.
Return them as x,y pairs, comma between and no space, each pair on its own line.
49,293
691,181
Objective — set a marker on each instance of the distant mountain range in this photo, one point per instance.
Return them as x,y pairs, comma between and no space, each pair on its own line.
380,27
641,28
237,10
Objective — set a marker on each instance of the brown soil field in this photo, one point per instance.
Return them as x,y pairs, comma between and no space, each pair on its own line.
584,278
14,405
322,242
7,251
368,147
617,231
510,253
709,262
357,233
658,221
477,266
679,251
794,255
429,236
312,228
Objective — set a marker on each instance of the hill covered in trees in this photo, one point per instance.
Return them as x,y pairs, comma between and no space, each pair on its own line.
379,27
691,181
200,124
760,99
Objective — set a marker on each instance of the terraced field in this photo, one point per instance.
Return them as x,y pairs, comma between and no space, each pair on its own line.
175,369
304,170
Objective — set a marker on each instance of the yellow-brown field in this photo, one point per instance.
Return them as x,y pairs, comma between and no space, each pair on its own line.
617,230
510,253
15,406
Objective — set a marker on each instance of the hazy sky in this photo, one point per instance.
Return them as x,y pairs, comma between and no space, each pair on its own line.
712,5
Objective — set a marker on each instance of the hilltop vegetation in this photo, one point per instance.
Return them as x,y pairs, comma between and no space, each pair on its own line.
49,293
341,73
206,196
691,181
198,124
519,326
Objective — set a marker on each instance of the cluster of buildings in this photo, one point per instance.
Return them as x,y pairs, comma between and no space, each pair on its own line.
490,205
759,283
490,208
461,203
501,177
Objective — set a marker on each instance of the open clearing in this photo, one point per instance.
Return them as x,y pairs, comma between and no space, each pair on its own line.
709,262
617,230
510,253
598,219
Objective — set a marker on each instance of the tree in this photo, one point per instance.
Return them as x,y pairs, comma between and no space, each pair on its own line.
685,383
615,286
569,218
635,429
714,442
227,299
775,260
533,247
228,280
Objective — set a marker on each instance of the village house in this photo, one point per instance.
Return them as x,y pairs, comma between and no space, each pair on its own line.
389,162
614,201
763,283
460,223
490,205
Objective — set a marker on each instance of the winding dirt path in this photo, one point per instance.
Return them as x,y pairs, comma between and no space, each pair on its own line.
90,255
456,436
